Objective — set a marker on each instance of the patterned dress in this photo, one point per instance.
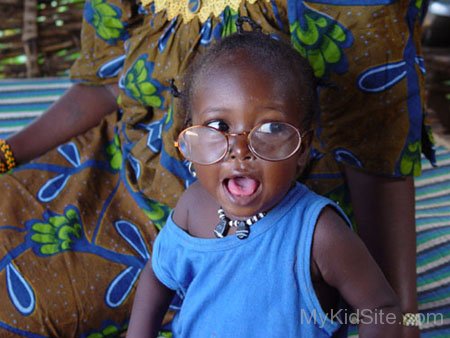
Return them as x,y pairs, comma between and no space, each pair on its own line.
77,224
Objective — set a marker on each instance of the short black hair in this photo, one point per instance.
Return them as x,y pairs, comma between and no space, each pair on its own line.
267,51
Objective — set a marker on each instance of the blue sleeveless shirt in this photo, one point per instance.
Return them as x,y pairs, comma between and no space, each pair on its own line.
257,287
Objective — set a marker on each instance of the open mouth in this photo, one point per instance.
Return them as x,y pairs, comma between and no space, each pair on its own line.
241,186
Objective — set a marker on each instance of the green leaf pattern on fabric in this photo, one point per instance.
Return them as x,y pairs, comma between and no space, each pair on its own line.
321,41
114,152
109,331
157,213
139,84
106,20
58,234
410,160
229,22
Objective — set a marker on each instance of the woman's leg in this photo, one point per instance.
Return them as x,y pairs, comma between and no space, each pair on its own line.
384,210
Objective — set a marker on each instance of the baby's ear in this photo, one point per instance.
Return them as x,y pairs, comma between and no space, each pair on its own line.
305,146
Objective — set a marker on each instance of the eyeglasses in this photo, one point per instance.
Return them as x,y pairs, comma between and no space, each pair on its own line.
270,141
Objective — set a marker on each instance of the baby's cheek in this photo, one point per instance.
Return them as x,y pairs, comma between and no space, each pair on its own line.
208,176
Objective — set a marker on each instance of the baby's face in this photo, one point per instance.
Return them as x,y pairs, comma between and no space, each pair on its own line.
235,98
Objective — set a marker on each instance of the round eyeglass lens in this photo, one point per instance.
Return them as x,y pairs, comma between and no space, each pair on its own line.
202,145
275,141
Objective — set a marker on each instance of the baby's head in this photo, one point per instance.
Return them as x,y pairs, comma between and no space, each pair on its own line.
276,58
261,95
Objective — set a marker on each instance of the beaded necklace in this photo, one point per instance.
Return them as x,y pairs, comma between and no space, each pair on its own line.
243,226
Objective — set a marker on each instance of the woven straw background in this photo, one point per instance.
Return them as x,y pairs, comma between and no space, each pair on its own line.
38,37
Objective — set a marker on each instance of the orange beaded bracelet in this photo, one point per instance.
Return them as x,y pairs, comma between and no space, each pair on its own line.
7,162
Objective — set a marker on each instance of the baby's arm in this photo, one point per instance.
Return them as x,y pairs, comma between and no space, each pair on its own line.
345,264
150,304
152,297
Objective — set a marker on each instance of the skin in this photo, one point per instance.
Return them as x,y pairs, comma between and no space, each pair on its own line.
241,94
78,110
247,109
385,214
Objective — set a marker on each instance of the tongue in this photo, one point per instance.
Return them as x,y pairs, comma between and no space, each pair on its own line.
242,186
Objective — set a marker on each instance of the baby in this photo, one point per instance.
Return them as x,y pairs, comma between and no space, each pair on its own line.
251,252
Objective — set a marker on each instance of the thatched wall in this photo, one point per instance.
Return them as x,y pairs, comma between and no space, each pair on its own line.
38,37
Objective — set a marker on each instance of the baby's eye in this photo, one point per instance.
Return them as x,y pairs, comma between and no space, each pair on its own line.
272,128
219,125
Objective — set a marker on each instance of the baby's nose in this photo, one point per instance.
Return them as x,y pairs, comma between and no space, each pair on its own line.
239,148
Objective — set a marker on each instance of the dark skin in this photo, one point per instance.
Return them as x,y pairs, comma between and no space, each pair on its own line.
385,214
78,110
340,262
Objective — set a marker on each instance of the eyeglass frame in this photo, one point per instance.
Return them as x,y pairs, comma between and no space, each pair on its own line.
248,133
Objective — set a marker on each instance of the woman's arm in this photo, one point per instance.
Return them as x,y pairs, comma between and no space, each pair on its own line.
150,305
79,109
345,264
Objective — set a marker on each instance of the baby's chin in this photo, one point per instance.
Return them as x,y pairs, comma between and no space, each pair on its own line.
244,210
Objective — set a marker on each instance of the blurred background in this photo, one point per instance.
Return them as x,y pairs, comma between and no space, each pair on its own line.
436,41
39,37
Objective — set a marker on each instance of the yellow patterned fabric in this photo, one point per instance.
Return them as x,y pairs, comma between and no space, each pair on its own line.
203,9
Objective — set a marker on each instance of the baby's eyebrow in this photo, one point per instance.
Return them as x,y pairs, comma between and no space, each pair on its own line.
213,110
275,109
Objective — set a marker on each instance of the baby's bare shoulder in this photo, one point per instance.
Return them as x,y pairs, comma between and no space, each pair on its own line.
181,211
194,204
